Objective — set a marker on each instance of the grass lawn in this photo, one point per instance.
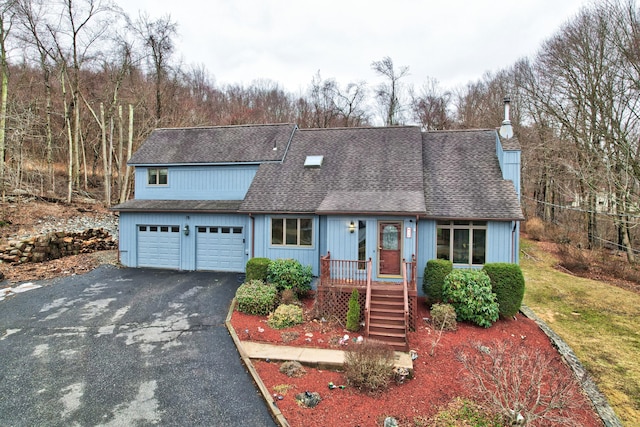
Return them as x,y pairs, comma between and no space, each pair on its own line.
600,322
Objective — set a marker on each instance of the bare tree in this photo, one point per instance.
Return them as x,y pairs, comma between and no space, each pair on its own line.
389,93
158,37
7,14
431,106
522,384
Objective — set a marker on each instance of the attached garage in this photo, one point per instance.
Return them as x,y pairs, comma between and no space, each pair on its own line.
220,248
159,246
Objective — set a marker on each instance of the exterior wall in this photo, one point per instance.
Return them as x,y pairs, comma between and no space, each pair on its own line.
306,255
197,183
509,164
500,244
344,245
130,220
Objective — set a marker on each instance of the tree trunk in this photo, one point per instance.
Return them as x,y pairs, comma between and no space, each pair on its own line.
125,187
103,140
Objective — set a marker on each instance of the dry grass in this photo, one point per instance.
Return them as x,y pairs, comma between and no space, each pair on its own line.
599,321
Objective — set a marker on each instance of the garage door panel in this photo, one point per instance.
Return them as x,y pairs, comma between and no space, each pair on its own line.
159,246
220,248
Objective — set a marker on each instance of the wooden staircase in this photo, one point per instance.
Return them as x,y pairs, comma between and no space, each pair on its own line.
386,319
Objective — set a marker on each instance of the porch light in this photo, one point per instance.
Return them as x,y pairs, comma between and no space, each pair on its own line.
352,227
186,230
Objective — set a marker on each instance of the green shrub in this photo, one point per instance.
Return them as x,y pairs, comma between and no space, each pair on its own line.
463,412
443,317
286,315
353,314
256,297
507,282
469,291
290,274
434,274
258,269
369,366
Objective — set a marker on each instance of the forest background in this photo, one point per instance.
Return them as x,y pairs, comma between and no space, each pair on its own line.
85,83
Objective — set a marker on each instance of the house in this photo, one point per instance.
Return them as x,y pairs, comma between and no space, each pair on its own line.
357,204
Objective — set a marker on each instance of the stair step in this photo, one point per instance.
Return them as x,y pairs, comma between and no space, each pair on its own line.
385,318
386,309
392,330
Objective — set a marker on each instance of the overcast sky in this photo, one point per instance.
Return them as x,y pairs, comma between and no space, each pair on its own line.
453,41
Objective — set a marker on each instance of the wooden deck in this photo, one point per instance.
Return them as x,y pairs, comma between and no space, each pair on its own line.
338,279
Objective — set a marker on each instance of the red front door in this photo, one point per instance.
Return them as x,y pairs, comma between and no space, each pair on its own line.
389,249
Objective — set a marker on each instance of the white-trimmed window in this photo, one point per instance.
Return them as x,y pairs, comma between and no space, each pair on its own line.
158,176
462,242
292,232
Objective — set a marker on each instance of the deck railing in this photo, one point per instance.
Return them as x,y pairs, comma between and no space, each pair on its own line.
367,301
344,272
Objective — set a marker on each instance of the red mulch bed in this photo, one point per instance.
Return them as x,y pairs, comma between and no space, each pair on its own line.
436,382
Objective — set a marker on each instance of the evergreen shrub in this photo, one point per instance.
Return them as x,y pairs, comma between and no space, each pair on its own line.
256,297
285,316
257,269
290,274
353,314
433,279
507,282
469,291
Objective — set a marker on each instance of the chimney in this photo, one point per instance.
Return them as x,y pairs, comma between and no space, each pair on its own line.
506,131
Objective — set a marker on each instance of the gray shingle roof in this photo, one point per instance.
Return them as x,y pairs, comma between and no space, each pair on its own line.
220,144
393,170
138,205
365,170
462,177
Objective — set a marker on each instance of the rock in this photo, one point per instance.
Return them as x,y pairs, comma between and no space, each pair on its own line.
309,399
390,422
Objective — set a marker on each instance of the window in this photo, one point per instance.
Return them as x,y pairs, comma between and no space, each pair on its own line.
462,242
292,231
158,176
362,245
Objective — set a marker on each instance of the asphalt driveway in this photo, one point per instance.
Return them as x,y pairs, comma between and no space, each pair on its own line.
125,347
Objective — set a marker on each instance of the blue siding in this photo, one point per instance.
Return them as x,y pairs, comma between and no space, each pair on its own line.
128,233
344,245
197,183
509,164
499,241
306,256
499,244
511,168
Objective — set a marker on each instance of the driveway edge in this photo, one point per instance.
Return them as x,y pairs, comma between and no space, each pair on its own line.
599,401
271,404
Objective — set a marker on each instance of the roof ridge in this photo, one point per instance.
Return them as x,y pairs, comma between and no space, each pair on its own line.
360,128
227,126
460,130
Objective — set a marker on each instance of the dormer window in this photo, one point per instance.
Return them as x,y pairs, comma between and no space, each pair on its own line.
158,176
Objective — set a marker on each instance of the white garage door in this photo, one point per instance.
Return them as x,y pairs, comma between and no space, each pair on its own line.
159,246
220,248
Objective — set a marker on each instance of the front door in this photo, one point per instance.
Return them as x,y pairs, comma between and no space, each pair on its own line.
389,248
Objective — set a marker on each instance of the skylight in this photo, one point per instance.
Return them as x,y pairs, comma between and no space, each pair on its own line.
313,161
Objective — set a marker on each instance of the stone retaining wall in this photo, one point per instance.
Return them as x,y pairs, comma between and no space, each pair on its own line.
56,245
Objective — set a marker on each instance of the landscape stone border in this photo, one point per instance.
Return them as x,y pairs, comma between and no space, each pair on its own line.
600,403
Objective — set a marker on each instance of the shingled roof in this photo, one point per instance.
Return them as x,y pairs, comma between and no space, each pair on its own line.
462,177
220,144
365,170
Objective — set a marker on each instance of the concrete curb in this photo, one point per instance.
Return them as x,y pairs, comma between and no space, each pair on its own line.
599,401
273,408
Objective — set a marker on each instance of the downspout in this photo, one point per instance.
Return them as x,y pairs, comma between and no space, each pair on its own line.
513,242
253,234
415,279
